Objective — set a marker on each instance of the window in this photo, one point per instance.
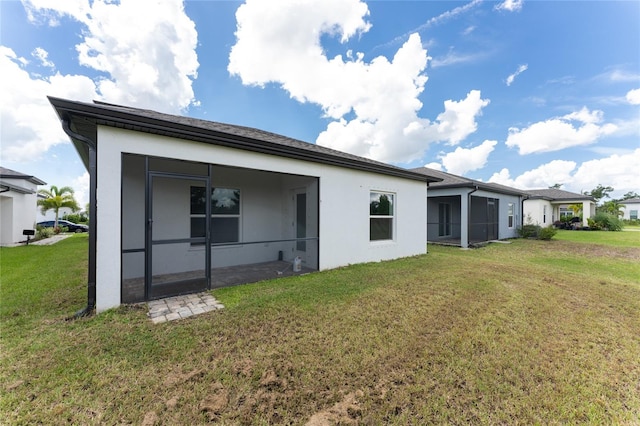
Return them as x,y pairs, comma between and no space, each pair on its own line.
225,214
544,214
633,214
380,216
444,219
510,215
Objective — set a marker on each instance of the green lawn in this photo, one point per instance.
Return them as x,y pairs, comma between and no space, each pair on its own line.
628,238
530,332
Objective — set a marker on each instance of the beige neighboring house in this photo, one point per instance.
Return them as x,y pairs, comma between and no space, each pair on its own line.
545,206
630,208
18,204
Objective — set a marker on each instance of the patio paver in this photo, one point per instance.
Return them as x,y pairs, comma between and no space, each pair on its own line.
173,308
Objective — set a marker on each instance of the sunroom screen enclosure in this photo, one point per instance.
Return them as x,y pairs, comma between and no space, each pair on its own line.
190,226
447,225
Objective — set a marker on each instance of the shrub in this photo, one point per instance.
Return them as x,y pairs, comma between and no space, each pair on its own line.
606,222
42,233
60,229
76,218
529,231
547,233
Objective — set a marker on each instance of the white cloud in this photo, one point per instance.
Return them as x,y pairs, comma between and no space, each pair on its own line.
512,77
574,129
619,171
443,17
81,187
434,166
454,58
510,5
147,54
381,95
43,57
556,171
145,57
464,160
458,119
633,97
24,98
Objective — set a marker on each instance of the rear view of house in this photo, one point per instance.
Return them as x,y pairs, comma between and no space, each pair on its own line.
545,206
18,203
183,204
464,211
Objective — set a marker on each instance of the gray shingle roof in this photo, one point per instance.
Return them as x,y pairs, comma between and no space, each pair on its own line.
630,201
553,194
12,174
86,116
454,181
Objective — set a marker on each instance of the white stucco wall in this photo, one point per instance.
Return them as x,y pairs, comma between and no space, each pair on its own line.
343,209
17,213
627,207
51,214
534,212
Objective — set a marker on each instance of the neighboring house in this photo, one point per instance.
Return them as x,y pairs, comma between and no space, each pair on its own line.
18,201
630,208
183,199
545,206
464,211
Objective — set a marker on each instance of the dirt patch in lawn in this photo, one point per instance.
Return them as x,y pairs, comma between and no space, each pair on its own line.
345,412
597,250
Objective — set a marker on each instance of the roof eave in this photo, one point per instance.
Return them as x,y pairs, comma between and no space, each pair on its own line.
71,109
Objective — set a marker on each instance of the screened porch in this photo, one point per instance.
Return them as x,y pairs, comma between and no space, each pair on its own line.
189,226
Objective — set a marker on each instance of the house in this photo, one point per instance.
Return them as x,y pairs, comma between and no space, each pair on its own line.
18,201
545,206
184,204
630,208
465,212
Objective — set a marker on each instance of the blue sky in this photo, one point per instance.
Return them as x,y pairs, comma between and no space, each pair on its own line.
524,93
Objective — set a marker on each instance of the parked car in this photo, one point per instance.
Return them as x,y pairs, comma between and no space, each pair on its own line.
72,227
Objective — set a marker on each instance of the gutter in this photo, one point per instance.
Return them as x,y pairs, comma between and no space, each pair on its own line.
93,183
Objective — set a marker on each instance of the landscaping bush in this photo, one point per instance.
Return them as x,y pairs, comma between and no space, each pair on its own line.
529,231
42,233
605,222
547,233
76,218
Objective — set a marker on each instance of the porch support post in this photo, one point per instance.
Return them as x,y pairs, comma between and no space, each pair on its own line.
464,221
586,212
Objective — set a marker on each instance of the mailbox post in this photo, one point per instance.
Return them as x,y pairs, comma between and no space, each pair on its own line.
29,233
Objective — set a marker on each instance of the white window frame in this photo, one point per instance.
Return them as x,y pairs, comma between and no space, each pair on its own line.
510,215
391,216
219,215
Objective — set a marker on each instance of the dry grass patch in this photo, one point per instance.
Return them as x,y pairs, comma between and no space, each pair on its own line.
494,335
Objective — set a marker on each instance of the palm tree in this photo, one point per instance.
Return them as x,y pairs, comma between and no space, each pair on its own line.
613,208
57,198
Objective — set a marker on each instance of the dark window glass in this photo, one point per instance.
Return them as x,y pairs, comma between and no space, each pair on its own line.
197,227
225,229
198,200
380,229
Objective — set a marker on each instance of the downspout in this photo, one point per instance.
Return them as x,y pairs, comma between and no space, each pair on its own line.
522,200
91,281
